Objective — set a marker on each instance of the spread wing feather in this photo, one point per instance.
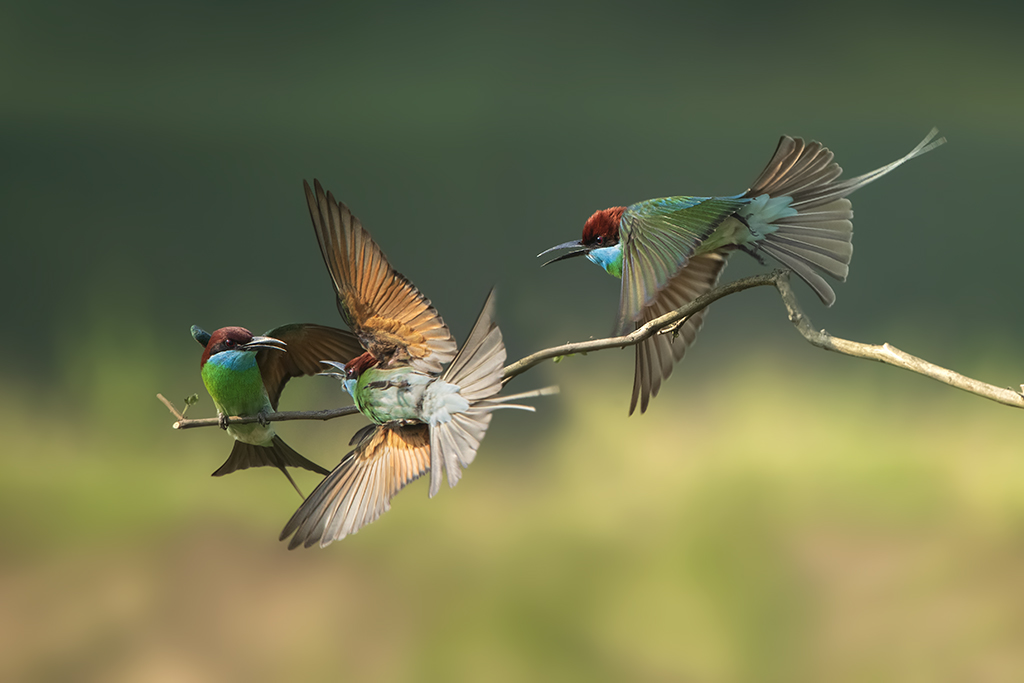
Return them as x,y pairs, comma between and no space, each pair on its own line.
360,488
657,355
391,318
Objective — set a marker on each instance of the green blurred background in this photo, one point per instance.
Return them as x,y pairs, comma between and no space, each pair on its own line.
780,514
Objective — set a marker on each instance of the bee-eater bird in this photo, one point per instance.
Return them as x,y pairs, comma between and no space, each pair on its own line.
245,374
422,418
670,251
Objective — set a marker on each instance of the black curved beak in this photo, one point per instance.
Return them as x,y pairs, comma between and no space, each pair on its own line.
342,374
264,343
580,250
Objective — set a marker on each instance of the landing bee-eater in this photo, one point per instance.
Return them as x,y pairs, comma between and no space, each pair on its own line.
423,417
670,251
245,375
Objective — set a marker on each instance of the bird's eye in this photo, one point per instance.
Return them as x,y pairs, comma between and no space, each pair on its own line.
600,239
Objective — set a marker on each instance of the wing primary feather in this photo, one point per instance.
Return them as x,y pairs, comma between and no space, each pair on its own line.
656,356
360,488
391,318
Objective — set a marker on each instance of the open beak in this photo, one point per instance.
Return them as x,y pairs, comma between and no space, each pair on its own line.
337,366
265,343
580,250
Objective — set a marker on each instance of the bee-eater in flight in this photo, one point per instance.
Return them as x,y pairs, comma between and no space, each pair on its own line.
670,251
424,417
245,375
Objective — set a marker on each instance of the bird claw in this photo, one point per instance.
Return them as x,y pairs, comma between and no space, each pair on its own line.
674,328
261,417
222,421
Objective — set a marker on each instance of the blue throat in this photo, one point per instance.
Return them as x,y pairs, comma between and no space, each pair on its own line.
239,361
609,258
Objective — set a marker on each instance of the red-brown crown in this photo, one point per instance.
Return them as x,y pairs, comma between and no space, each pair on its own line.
355,367
602,229
225,339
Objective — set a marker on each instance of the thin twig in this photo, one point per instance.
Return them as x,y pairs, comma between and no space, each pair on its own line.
170,407
184,423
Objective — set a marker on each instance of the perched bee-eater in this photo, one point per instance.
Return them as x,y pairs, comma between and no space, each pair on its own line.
670,251
245,375
422,418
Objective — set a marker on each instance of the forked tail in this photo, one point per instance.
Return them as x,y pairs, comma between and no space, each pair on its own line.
278,454
800,206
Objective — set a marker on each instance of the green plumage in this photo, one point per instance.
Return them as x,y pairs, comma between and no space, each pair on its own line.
390,394
658,238
244,375
235,384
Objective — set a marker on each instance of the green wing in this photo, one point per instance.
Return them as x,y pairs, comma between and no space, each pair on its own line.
659,236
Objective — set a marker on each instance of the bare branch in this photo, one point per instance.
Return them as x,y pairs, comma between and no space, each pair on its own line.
890,355
641,333
184,423
669,324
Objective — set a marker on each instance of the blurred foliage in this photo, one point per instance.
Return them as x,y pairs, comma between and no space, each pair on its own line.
837,528
780,514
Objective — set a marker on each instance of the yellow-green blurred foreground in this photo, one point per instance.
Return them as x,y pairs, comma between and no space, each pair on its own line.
767,526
